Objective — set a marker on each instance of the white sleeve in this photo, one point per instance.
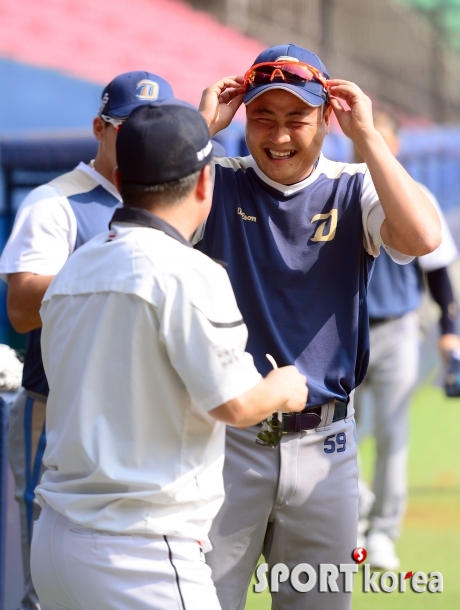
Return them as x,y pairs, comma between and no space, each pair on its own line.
205,336
373,217
43,234
446,252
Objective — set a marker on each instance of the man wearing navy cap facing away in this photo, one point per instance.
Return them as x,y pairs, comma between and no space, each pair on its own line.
299,234
144,334
51,223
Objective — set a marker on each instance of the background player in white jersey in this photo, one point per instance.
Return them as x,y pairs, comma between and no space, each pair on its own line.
54,220
299,234
394,294
143,345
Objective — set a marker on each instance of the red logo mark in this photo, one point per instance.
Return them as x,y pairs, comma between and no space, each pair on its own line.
408,575
359,555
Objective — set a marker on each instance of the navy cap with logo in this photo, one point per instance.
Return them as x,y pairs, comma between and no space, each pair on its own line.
312,92
130,90
162,142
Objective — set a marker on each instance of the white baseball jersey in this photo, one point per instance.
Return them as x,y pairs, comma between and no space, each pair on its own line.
56,218
52,221
141,338
446,252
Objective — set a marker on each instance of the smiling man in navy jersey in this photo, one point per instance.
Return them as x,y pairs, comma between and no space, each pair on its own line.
299,234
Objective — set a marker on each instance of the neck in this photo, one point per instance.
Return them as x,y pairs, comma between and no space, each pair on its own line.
308,173
179,216
103,169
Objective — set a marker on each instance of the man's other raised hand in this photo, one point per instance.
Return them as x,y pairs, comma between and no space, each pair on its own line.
220,102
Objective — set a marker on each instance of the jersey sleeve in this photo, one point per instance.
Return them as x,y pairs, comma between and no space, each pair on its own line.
205,337
43,234
373,217
446,252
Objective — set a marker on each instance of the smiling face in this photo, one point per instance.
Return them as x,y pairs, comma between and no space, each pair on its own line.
285,135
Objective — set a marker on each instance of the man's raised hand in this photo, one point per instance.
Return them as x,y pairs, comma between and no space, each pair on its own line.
356,121
220,102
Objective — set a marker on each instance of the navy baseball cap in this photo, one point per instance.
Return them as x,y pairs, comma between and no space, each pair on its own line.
162,142
130,90
311,92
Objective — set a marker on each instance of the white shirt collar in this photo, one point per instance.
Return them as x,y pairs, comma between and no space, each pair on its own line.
99,178
290,189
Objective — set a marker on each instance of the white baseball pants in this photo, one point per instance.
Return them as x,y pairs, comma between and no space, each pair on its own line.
77,568
26,445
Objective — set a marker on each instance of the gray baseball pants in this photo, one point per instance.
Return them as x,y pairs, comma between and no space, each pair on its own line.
26,445
391,380
293,504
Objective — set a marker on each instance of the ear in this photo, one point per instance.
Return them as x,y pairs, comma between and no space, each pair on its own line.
116,178
327,117
203,189
98,127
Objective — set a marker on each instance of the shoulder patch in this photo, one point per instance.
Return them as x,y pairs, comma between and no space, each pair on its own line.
334,169
74,182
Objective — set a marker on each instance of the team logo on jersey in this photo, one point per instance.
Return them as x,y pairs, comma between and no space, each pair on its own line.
319,233
245,217
148,90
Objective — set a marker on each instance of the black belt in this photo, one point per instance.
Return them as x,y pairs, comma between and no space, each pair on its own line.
376,321
308,420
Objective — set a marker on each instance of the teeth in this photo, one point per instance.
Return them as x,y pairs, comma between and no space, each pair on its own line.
280,155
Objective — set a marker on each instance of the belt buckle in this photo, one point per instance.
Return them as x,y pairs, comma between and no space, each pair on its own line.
271,432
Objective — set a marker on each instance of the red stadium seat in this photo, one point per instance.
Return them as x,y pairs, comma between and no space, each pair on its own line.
97,40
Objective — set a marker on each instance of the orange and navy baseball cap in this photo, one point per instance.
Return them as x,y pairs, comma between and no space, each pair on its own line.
130,90
312,92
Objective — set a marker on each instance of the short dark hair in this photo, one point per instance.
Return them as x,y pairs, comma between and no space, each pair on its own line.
166,194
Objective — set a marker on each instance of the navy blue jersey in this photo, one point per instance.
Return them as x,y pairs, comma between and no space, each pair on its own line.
299,268
394,289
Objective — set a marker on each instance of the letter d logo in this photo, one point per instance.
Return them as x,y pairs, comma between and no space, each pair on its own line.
319,234
148,90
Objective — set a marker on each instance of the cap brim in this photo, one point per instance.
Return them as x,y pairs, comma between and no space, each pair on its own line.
123,112
313,96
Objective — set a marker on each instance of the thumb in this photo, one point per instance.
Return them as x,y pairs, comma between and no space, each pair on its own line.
236,102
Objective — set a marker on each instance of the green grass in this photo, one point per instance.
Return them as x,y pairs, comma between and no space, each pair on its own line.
431,532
